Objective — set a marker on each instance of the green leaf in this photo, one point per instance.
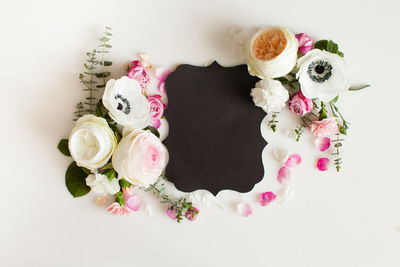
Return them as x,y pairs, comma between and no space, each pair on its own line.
108,45
99,107
356,88
100,85
152,130
335,99
103,74
321,44
340,54
332,47
75,180
63,147
104,39
106,63
125,184
110,173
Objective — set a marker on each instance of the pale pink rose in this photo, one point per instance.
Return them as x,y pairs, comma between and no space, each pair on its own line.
161,74
139,158
305,43
191,214
139,73
325,128
116,209
156,110
300,105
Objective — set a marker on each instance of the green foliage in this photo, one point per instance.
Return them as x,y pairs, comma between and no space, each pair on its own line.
329,46
110,173
273,122
323,113
79,111
153,131
359,87
181,207
124,183
94,77
63,147
75,180
338,160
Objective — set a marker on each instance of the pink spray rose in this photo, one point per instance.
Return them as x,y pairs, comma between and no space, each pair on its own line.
139,73
300,105
140,158
325,128
305,43
156,110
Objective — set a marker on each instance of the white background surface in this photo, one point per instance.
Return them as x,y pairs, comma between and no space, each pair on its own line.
351,219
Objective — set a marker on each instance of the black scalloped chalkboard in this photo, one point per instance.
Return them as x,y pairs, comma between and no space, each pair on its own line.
214,139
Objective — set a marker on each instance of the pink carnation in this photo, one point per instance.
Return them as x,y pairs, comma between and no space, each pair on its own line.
299,104
116,209
305,43
325,128
139,73
156,110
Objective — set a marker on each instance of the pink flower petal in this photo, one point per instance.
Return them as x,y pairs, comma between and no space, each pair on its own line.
284,175
323,164
162,73
323,143
117,209
293,161
128,191
266,198
134,202
244,209
156,123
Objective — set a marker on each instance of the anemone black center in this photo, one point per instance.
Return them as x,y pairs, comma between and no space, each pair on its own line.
319,69
214,140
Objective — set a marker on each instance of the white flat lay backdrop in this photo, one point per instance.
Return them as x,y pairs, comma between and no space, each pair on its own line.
348,219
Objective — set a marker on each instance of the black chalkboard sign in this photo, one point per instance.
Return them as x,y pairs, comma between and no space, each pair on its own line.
214,139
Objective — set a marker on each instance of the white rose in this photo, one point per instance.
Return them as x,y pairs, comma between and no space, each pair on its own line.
322,75
271,52
270,95
91,142
126,104
101,185
140,158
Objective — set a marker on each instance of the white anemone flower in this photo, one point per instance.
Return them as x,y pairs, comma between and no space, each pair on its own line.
322,75
126,104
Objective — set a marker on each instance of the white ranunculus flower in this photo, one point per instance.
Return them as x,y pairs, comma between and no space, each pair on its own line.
270,95
101,185
140,158
322,75
271,52
91,142
126,104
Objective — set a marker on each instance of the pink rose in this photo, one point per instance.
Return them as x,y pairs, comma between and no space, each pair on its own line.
325,128
139,73
305,43
156,110
139,158
299,104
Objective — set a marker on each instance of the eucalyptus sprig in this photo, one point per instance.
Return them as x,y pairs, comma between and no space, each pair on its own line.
338,145
91,76
273,122
181,207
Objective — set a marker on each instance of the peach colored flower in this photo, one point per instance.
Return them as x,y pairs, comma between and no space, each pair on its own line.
325,128
116,209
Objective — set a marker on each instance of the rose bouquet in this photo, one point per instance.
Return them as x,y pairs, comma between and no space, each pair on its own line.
116,144
305,76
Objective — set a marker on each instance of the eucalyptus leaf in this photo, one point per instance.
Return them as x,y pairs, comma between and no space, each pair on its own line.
359,87
99,107
75,180
63,147
152,130
106,63
103,74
